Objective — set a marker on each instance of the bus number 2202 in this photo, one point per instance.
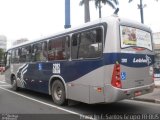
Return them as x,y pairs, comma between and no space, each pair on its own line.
56,68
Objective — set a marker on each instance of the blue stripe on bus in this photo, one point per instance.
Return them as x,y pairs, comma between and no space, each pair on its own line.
129,60
72,70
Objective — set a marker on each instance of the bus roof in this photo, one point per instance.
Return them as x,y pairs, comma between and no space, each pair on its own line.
109,19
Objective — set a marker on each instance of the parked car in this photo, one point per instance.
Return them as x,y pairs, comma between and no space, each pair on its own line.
2,69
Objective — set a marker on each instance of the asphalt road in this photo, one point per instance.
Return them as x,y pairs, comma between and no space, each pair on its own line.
30,105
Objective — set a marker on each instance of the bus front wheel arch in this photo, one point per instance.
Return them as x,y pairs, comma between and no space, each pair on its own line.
58,92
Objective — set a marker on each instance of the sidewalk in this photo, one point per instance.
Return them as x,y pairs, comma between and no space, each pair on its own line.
153,97
2,77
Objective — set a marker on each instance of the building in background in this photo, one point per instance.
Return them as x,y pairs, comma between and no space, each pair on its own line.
3,47
3,42
156,40
157,55
19,41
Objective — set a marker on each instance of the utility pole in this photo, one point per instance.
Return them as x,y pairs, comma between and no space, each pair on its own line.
141,11
67,14
141,6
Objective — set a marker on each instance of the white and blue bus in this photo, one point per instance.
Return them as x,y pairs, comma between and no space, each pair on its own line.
104,61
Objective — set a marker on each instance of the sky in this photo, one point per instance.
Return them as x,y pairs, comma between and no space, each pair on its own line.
33,19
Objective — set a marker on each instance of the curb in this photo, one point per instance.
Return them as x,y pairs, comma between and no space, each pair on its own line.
147,100
157,101
2,77
157,86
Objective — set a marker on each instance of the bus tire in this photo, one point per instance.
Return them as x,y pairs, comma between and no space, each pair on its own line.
14,83
58,93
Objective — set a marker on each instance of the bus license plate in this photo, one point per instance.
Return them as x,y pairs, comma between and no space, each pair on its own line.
138,93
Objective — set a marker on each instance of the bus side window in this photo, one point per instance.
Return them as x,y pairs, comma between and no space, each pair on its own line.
36,52
67,48
15,56
28,53
25,54
96,43
39,52
59,49
75,45
12,56
74,40
44,51
50,51
87,44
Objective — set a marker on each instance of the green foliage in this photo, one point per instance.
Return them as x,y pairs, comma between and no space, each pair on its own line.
111,3
1,55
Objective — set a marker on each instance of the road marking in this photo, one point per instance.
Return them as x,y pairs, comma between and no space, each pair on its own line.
4,85
50,105
157,101
2,82
144,102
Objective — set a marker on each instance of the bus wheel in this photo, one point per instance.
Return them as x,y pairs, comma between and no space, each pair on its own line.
58,93
14,83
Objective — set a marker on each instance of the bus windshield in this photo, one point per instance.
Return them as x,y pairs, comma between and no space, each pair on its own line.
135,37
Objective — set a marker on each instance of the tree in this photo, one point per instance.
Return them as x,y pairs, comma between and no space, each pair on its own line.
111,3
140,7
1,56
86,10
